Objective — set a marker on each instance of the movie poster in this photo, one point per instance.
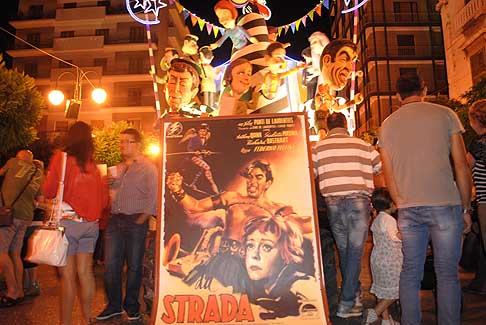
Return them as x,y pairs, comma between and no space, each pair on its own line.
237,232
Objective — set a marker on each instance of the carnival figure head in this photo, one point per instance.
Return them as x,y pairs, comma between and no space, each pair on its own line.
337,60
226,13
477,116
271,243
317,42
259,178
275,57
410,84
190,47
182,83
237,76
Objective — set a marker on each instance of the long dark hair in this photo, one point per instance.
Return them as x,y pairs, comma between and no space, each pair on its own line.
79,144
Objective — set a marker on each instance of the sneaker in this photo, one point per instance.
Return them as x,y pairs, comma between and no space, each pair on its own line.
346,312
133,316
108,313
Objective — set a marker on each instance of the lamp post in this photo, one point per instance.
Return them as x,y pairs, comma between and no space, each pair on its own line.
56,96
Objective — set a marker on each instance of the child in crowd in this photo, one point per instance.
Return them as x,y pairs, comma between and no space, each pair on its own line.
386,258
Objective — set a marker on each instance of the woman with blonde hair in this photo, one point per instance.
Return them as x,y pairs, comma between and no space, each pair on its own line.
85,197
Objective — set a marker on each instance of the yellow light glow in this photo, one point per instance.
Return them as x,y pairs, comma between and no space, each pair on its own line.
56,97
98,95
154,149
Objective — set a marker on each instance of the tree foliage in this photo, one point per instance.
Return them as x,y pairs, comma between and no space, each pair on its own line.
106,143
20,109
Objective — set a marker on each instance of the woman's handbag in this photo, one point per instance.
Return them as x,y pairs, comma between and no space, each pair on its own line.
48,244
6,211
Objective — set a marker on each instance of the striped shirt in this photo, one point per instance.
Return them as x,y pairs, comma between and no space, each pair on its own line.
477,148
135,191
344,164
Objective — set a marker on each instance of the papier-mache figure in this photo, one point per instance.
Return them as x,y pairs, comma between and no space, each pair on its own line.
227,15
170,53
336,67
208,81
275,57
190,48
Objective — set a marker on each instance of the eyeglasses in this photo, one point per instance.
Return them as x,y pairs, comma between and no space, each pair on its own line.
127,141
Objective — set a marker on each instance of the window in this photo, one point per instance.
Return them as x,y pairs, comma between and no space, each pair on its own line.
36,11
101,62
136,65
31,69
405,11
34,38
103,3
408,71
61,126
134,96
67,33
406,44
138,34
68,5
65,65
105,32
478,64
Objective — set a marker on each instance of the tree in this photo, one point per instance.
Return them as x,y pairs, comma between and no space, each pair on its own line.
20,110
106,143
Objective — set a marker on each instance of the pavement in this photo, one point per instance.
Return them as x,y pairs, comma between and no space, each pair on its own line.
44,309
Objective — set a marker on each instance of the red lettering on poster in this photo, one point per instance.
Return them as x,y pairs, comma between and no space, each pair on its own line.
227,310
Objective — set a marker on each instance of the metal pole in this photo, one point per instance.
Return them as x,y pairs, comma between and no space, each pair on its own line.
152,69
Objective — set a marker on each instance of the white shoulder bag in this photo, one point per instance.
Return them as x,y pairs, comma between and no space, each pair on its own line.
48,244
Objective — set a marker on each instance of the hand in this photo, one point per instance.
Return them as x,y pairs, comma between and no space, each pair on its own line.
467,222
174,182
213,46
142,218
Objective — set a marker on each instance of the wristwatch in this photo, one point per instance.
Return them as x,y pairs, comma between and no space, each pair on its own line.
466,210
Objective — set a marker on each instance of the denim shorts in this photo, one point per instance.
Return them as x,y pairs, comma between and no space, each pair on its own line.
12,237
82,236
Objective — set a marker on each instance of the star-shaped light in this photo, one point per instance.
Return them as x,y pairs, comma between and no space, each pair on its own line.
150,6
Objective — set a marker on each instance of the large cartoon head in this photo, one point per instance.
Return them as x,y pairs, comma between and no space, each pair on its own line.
190,47
275,57
183,80
317,42
226,13
237,76
337,63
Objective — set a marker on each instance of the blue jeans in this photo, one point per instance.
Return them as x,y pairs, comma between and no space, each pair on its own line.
349,218
124,239
444,225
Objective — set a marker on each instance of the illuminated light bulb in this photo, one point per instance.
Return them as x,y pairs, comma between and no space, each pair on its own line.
154,149
98,95
56,97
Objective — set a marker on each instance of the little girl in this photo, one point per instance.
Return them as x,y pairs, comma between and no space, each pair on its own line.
386,258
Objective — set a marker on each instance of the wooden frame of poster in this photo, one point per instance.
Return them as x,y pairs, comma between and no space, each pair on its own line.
238,235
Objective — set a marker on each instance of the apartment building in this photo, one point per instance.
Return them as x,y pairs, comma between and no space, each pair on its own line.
464,24
394,37
109,46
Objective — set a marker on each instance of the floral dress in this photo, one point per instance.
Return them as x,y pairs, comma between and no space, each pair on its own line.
386,257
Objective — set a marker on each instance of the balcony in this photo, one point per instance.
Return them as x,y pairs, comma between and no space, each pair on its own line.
78,43
409,52
404,18
468,14
120,101
26,16
80,13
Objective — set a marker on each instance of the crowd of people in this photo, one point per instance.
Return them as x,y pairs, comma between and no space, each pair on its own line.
417,180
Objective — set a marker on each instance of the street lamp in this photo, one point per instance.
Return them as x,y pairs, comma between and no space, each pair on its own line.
56,96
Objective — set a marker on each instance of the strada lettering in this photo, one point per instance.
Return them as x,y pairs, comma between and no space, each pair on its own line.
218,309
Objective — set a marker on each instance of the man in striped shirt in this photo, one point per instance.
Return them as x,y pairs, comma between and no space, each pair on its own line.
345,167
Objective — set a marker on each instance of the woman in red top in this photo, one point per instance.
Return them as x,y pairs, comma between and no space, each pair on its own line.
87,196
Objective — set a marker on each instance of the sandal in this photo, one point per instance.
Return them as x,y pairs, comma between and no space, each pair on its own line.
6,301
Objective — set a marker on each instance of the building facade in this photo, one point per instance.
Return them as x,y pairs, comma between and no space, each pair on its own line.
394,37
109,46
464,24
